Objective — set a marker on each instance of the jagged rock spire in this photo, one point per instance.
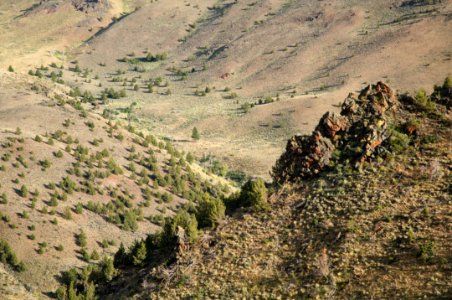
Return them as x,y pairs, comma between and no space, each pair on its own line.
360,128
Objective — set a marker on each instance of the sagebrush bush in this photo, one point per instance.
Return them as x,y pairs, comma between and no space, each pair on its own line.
81,239
447,83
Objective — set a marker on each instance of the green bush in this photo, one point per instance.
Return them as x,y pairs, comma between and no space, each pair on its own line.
398,141
81,238
195,134
427,251
67,213
186,221
246,107
253,194
42,248
94,255
24,191
210,212
139,253
3,199
129,221
447,83
7,256
78,208
45,164
58,154
423,101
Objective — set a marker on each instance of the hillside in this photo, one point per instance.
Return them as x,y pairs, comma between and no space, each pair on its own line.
65,171
295,58
142,149
378,231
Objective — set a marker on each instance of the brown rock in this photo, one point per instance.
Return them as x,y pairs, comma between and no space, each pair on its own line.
362,125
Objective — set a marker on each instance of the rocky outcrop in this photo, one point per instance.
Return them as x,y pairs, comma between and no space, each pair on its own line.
89,5
53,6
354,135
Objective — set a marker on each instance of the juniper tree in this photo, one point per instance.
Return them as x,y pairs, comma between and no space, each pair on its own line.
195,134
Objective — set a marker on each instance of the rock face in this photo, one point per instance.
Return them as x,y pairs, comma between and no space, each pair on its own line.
89,5
52,6
354,135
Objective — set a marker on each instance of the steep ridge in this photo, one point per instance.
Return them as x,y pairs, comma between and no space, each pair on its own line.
376,230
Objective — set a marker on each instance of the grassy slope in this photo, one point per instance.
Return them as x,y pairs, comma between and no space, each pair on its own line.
35,113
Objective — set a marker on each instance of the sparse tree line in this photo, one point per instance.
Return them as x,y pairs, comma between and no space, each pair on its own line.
161,247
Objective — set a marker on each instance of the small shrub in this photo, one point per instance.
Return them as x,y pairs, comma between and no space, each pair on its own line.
79,208
427,251
253,194
398,141
58,154
195,134
246,107
447,83
423,101
67,213
23,191
139,253
45,164
210,212
3,199
85,255
95,255
184,220
80,238
42,248
7,256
